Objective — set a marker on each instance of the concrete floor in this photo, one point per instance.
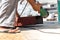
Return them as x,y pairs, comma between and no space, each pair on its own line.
42,32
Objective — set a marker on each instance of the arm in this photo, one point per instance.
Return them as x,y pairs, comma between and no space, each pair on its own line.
36,6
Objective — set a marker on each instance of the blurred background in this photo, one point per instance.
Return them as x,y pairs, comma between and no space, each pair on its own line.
51,7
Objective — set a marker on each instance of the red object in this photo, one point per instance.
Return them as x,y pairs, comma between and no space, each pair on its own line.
22,21
25,21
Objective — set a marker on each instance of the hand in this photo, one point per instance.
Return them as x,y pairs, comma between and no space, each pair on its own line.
36,6
33,1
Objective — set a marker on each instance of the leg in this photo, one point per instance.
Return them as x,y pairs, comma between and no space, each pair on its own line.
7,13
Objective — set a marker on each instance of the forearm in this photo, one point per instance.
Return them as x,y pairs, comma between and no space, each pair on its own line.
35,5
32,2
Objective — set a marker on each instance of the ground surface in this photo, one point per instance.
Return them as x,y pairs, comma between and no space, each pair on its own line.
37,32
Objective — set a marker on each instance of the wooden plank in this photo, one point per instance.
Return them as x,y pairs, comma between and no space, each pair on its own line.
9,36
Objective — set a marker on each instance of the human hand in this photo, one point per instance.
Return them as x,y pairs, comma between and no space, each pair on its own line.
36,5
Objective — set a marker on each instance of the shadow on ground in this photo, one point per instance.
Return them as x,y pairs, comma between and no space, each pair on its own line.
42,28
